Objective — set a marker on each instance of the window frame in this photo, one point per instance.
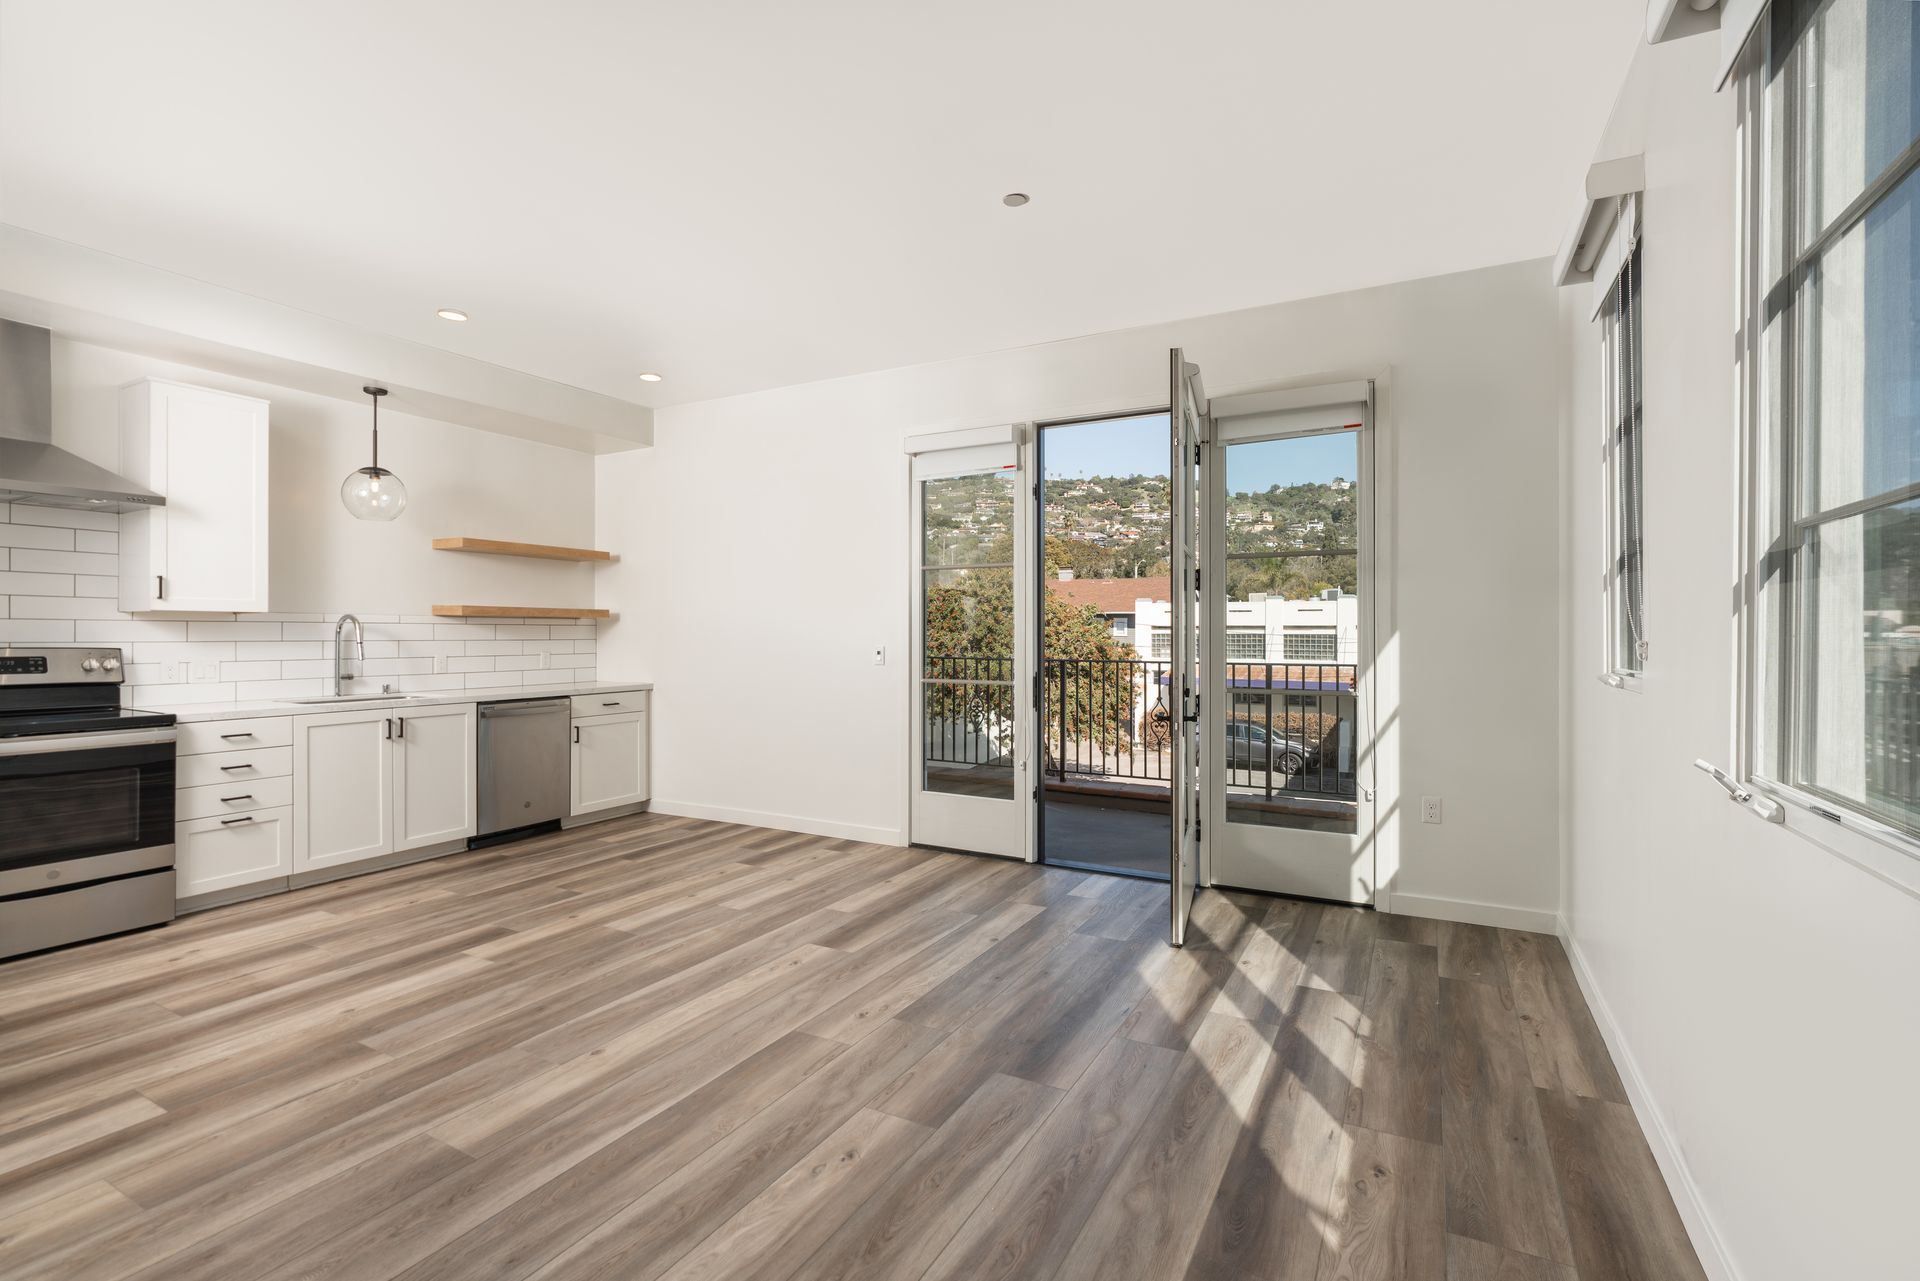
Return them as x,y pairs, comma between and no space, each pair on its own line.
1623,567
1776,515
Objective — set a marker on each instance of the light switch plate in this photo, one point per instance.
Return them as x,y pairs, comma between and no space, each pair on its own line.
205,673
880,656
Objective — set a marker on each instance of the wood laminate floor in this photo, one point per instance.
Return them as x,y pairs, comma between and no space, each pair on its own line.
668,1048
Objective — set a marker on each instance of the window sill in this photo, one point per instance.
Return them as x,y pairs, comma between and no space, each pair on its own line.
1878,850
1629,682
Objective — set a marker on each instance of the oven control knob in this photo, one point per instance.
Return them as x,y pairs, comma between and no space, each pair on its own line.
109,664
89,664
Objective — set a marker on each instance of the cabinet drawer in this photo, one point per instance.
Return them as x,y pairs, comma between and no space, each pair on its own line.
233,767
609,704
215,854
235,735
222,799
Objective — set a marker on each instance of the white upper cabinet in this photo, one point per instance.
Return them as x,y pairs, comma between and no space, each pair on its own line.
205,452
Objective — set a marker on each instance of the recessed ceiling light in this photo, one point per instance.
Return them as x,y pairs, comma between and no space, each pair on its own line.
649,378
451,313
1014,199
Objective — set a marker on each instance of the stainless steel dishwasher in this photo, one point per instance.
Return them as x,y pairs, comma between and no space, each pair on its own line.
526,764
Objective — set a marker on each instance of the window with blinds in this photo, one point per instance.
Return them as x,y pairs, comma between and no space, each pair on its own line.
1625,640
1830,122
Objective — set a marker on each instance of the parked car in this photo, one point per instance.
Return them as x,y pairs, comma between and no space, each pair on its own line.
1250,747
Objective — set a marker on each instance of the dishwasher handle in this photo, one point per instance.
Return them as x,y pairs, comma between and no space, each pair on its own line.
528,707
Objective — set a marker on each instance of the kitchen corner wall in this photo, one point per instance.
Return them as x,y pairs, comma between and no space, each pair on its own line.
59,569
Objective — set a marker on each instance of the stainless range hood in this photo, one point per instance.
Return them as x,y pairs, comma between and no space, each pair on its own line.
32,468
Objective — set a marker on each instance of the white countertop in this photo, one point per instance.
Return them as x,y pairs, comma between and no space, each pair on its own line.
426,698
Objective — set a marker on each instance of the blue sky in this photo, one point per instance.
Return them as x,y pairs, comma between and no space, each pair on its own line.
1138,447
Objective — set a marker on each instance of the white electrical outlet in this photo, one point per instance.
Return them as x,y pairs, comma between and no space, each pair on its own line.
173,673
546,660
205,673
880,656
439,664
1429,809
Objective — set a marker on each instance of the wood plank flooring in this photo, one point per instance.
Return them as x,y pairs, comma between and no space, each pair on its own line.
662,1048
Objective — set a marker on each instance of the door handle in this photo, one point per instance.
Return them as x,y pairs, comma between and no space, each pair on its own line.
389,727
576,733
403,726
159,586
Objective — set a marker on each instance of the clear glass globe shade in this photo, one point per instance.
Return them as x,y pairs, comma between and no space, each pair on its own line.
374,493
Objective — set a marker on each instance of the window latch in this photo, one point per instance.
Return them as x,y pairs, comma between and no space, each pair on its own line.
1769,811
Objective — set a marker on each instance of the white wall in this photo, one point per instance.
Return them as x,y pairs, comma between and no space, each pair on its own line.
59,584
1759,989
799,496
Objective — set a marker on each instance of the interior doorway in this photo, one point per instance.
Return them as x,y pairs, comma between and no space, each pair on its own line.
1105,695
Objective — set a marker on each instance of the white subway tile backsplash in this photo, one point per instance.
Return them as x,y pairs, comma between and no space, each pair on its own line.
233,631
38,561
64,518
24,631
280,649
13,584
58,540
58,587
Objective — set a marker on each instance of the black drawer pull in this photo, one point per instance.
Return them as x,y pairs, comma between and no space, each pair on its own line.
609,704
229,822
229,800
248,734
228,769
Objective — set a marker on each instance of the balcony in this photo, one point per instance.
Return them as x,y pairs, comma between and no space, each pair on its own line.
1287,751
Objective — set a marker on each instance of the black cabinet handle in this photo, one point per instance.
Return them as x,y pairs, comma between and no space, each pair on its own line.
248,734
609,704
228,769
229,822
231,800
389,727
403,726
576,733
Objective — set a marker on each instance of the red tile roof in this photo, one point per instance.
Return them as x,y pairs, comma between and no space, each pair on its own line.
1110,595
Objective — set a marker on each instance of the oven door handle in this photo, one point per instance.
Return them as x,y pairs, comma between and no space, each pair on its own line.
46,744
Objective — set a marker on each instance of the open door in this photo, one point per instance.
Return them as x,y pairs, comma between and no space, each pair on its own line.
1188,418
971,787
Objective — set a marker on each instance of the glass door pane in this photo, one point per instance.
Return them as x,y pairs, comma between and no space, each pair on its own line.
966,791
1287,684
1184,855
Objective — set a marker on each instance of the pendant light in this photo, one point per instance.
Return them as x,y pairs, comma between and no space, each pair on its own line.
374,493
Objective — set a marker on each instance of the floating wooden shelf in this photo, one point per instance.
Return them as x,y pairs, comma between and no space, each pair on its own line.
539,551
516,611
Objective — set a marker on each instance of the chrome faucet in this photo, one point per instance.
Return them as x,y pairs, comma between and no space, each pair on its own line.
342,670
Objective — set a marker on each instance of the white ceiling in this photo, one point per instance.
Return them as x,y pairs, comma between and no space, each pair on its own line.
744,195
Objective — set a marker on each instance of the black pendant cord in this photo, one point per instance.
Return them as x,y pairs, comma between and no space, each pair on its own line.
376,435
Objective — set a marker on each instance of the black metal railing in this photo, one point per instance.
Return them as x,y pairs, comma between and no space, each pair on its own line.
1893,741
1290,728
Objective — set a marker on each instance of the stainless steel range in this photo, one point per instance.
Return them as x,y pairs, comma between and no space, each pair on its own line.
86,802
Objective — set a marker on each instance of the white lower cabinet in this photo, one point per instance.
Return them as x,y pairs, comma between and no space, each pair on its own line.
368,783
433,776
212,854
609,761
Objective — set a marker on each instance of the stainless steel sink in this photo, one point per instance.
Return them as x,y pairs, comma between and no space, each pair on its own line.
353,698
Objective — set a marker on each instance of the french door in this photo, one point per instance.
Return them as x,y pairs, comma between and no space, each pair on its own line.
1188,407
972,588
1289,688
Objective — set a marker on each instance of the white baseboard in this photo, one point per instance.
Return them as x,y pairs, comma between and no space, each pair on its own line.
1467,912
1653,1123
783,822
